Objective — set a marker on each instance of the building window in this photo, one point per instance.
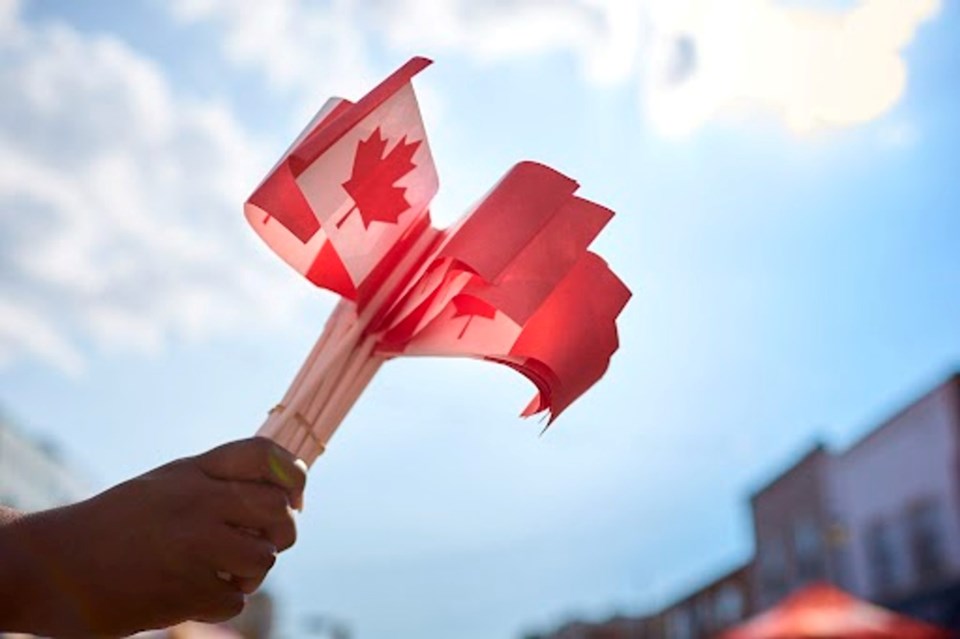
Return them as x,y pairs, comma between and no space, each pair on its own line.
925,531
680,624
807,550
704,613
837,542
728,605
882,557
773,570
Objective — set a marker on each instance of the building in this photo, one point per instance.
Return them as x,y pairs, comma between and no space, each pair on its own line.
897,501
33,474
879,519
707,611
619,627
711,609
790,517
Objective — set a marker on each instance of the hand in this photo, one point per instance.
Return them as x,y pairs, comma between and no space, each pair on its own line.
153,551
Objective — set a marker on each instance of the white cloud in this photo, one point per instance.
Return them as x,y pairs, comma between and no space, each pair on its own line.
23,332
311,46
602,34
814,68
314,49
8,16
695,60
121,204
898,135
120,198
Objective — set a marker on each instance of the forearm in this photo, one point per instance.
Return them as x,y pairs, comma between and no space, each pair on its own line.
147,553
38,592
11,570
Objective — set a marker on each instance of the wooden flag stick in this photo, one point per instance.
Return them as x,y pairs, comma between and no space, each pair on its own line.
331,378
338,407
337,351
332,326
285,420
329,358
340,376
336,411
335,386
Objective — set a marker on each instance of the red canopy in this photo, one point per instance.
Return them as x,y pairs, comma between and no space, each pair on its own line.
824,612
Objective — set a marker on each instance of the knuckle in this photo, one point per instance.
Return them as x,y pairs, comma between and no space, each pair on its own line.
228,605
234,605
274,501
287,535
265,447
202,498
265,560
223,606
194,540
204,460
249,586
299,475
278,502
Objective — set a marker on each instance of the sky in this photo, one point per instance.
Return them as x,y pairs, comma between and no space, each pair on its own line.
785,181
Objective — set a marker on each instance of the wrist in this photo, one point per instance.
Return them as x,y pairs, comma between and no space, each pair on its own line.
14,572
35,578
12,569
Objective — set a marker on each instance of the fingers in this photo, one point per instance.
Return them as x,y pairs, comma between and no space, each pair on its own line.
247,558
257,459
222,600
259,507
257,483
247,586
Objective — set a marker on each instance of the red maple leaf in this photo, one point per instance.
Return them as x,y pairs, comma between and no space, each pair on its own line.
372,185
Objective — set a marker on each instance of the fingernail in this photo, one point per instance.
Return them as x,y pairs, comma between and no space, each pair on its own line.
298,500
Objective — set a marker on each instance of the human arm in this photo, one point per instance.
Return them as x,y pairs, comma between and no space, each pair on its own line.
147,553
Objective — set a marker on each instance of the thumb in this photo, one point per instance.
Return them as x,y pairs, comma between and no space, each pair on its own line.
257,459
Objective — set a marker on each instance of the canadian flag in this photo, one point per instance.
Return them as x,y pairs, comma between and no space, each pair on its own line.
513,282
351,189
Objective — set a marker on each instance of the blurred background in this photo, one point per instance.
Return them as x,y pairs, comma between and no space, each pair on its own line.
785,406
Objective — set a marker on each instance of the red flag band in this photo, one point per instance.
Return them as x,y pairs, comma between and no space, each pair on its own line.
343,196
513,282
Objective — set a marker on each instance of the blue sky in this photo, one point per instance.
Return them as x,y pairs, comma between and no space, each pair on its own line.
784,176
